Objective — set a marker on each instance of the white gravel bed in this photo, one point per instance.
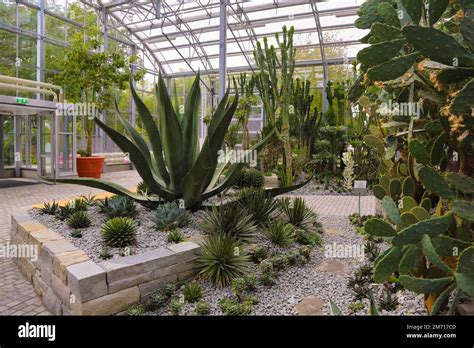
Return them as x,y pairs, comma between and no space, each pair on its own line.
297,282
148,237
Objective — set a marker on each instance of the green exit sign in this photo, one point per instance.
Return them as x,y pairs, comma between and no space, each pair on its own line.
22,100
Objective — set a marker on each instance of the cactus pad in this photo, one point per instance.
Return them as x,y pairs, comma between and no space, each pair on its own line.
385,182
438,46
408,219
366,21
463,102
408,203
381,52
435,183
408,187
379,228
389,14
387,265
464,209
432,227
379,192
390,207
436,10
392,69
420,213
414,9
454,75
467,30
465,271
426,204
374,142
418,150
395,188
385,32
424,286
409,259
437,150
462,183
431,254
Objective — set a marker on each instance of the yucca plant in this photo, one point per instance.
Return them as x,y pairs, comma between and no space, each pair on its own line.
298,213
119,232
175,236
230,220
49,208
258,203
280,233
79,219
176,167
79,204
118,206
221,260
192,292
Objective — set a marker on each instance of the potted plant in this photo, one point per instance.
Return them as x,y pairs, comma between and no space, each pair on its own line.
91,77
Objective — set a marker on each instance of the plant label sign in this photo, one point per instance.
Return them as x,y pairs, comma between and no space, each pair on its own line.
360,186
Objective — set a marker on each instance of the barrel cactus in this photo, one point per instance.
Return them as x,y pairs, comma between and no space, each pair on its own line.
119,232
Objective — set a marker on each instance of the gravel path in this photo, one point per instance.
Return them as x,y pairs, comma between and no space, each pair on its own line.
296,282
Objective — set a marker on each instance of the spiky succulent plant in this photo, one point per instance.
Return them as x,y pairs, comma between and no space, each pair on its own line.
175,166
79,219
49,208
229,220
169,215
222,260
280,233
175,236
118,206
65,211
258,203
298,213
192,292
119,232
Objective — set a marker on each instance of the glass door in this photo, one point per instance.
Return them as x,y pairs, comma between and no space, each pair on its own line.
45,147
7,144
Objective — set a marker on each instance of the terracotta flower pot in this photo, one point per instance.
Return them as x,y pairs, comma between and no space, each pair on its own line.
90,167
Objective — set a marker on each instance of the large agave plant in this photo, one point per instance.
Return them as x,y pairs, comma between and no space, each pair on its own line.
175,167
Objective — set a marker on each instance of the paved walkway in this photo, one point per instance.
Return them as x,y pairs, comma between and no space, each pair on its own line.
16,294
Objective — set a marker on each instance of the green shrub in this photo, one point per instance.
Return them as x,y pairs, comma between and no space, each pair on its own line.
229,220
169,289
268,279
308,238
250,281
136,310
118,206
202,308
305,251
258,203
105,254
266,266
79,219
293,257
79,204
176,305
230,307
192,292
279,262
238,286
259,253
76,234
49,208
280,233
169,215
65,211
175,236
355,307
250,178
297,213
119,232
221,260
156,301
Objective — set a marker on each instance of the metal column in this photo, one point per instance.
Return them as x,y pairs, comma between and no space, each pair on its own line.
105,30
222,48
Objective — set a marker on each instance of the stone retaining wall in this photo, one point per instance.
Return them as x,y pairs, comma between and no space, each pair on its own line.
70,283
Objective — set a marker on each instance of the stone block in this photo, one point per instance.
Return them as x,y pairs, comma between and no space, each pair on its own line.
52,302
185,250
112,303
63,260
61,290
25,228
20,217
39,285
46,276
186,275
130,281
174,269
42,236
134,265
86,280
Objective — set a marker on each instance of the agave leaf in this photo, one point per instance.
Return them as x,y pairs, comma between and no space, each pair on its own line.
153,134
106,186
282,190
136,138
138,161
335,310
190,125
200,175
171,136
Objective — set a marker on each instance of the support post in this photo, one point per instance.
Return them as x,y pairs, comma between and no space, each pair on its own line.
222,48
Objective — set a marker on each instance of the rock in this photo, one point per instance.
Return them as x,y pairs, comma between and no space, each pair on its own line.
86,281
334,232
333,266
51,302
63,260
310,305
112,303
466,308
196,238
